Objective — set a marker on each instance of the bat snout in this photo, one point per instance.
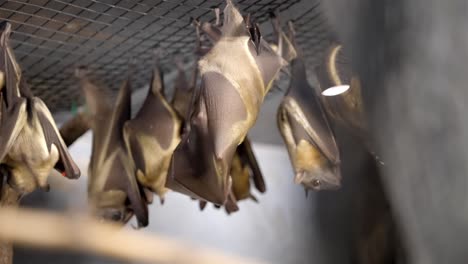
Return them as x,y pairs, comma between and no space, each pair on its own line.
319,181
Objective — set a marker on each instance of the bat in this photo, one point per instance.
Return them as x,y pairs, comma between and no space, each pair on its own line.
153,134
113,190
236,74
30,143
306,131
241,170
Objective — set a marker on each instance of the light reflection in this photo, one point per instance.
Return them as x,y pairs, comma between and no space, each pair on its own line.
335,90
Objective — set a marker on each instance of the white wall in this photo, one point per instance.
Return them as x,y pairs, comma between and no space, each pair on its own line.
281,228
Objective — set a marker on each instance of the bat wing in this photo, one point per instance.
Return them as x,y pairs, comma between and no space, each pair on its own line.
138,203
221,107
312,167
100,109
65,165
248,157
225,114
304,106
9,67
192,171
12,121
13,113
120,115
311,130
120,191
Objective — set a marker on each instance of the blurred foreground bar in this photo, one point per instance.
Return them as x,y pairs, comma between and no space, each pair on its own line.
37,228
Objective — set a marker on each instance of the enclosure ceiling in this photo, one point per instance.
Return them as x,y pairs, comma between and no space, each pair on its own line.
52,37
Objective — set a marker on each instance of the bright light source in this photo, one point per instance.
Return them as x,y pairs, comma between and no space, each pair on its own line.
335,90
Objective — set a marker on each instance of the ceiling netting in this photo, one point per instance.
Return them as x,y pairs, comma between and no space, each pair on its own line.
52,37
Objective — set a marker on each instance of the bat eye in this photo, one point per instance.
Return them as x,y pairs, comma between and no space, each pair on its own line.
316,183
112,215
116,216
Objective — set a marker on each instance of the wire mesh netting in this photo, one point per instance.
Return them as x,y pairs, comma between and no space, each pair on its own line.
52,37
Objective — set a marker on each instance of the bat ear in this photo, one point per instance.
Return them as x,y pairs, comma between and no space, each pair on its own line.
157,81
256,37
254,32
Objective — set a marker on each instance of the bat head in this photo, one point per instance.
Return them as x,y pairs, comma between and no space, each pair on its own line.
111,206
112,214
157,79
322,179
314,170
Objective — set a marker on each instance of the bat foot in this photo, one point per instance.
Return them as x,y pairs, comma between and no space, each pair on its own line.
252,197
161,200
202,205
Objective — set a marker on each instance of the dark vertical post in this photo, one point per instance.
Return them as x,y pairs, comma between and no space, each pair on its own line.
412,57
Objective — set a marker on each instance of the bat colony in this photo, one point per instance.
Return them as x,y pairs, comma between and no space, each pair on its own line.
197,143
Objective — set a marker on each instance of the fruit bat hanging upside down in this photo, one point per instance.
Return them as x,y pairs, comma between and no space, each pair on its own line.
152,136
236,74
113,190
244,167
306,131
30,143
